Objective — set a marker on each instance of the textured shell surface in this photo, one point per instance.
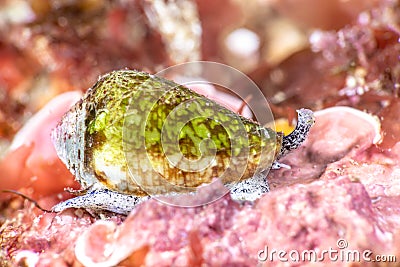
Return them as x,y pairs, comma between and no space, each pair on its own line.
124,126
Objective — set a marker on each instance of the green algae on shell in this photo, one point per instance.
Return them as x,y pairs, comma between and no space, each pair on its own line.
123,131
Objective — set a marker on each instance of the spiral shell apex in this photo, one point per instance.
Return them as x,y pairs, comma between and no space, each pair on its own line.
69,141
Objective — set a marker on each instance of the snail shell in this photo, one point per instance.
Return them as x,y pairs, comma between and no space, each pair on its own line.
131,128
89,138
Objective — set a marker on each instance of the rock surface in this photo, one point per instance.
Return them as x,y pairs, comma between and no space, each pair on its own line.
340,189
